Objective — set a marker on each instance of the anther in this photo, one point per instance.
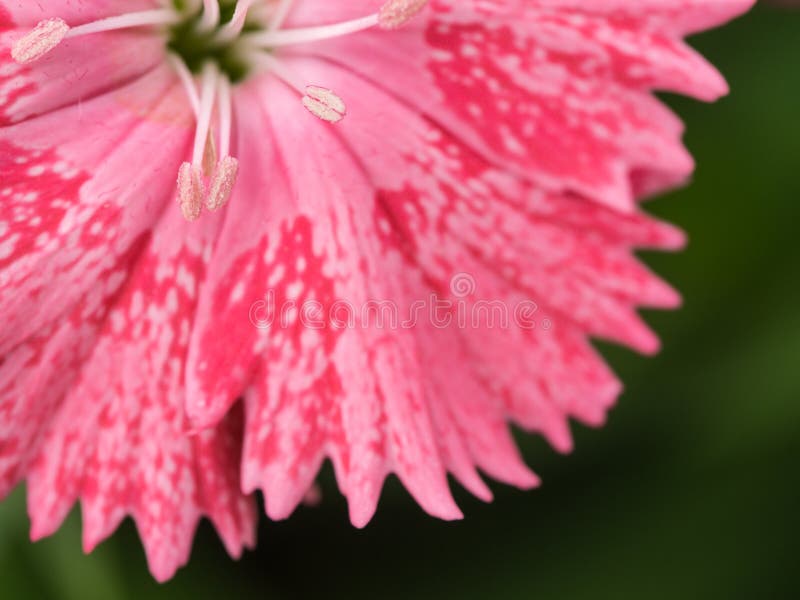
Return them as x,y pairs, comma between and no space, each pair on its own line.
48,34
396,13
224,178
222,183
191,186
324,104
319,101
42,39
191,191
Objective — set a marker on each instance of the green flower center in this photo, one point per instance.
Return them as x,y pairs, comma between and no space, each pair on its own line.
196,46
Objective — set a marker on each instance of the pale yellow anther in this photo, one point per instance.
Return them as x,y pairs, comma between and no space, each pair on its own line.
42,39
191,191
222,183
396,13
324,104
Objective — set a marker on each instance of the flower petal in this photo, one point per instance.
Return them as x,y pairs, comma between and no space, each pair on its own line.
120,441
459,214
553,90
78,71
316,244
78,192
444,210
297,408
92,318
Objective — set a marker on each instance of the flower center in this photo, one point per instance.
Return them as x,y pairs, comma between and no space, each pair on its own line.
221,42
196,39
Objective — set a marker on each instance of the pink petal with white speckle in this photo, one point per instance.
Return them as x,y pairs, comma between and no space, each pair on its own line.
551,89
293,426
69,212
120,442
298,407
96,308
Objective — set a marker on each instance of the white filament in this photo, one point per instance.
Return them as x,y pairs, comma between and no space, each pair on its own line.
188,82
287,37
208,86
225,115
278,17
211,15
272,64
232,29
136,19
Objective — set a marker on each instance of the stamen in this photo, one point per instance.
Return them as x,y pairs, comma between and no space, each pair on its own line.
393,14
227,170
165,16
320,102
232,29
48,34
396,13
324,104
225,115
211,15
287,37
187,80
42,39
191,191
222,183
207,93
278,17
185,76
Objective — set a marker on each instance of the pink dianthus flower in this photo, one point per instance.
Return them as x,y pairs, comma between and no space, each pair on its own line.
325,152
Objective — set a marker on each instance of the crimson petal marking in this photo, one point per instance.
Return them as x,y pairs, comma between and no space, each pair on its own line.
5,20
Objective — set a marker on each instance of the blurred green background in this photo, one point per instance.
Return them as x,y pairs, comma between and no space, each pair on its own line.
690,491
